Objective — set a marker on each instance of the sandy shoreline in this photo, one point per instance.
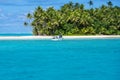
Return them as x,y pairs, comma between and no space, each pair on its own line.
50,37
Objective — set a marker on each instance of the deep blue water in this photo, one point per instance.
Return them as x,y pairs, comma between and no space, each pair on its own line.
97,59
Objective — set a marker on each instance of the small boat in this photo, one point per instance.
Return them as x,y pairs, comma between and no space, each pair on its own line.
55,38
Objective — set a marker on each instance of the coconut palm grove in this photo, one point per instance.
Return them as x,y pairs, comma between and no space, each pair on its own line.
75,19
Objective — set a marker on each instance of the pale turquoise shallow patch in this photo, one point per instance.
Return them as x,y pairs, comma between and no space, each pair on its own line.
94,59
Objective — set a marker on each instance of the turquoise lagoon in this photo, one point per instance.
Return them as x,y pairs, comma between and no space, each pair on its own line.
84,59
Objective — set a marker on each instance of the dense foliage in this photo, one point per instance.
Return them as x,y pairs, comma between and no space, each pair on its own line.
74,19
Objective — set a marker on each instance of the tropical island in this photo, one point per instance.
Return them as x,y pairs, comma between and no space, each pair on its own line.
75,19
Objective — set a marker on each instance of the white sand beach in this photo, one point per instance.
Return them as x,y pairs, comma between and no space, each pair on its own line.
64,37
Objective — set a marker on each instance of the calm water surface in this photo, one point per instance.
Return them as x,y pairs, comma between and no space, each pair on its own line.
97,59
16,35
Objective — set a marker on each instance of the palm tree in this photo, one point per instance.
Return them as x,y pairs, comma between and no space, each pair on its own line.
82,7
29,16
25,23
90,2
70,5
109,3
77,5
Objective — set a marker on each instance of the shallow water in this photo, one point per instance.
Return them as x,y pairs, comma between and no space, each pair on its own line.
93,59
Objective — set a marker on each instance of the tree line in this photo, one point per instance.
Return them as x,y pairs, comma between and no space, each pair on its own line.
74,19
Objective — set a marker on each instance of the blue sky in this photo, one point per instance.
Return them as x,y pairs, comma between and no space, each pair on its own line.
13,12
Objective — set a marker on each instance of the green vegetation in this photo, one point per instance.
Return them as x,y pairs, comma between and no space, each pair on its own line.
74,19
